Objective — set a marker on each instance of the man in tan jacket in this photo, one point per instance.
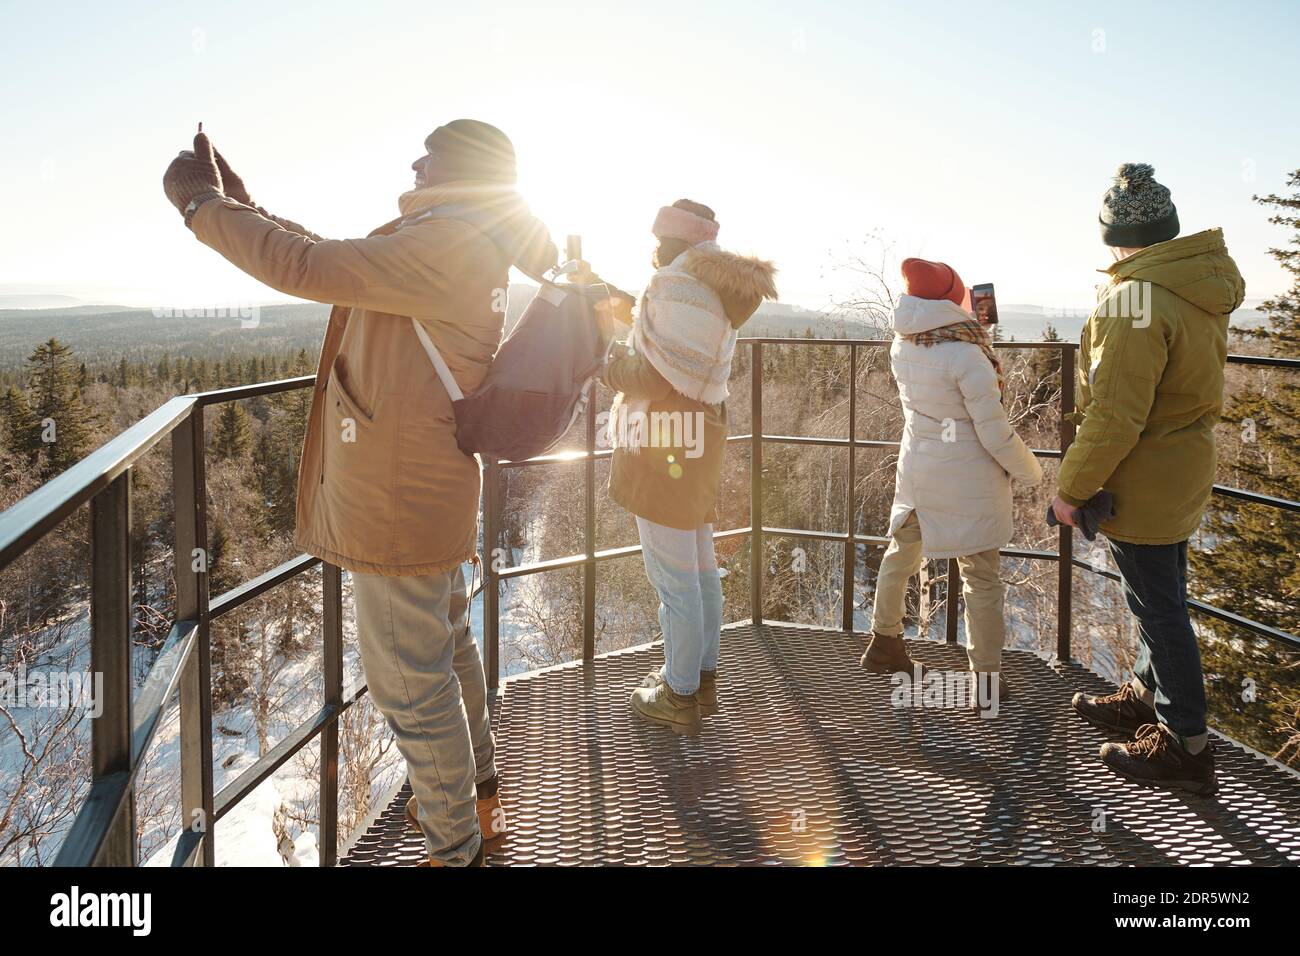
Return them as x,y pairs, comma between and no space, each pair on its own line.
383,489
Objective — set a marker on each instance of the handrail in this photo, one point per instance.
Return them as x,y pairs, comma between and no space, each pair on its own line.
28,520
102,831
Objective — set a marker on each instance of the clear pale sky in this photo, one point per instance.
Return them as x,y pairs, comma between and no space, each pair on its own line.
981,134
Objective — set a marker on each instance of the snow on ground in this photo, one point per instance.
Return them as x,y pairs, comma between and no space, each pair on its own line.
247,835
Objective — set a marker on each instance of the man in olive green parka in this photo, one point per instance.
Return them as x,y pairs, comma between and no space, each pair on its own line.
1149,391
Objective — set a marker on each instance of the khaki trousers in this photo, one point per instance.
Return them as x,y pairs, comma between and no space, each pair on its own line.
425,675
981,588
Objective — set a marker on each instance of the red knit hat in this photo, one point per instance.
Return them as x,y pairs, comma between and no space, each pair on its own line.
933,280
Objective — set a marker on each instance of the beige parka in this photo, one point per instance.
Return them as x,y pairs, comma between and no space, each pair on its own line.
382,486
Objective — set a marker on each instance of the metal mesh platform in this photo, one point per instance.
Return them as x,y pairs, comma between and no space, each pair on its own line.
810,763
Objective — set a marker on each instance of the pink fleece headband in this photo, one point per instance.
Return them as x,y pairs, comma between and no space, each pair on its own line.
675,223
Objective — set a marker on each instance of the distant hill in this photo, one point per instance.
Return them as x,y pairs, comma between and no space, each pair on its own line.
104,333
38,301
48,303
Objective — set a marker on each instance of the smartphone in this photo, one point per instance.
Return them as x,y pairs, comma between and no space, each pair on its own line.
984,304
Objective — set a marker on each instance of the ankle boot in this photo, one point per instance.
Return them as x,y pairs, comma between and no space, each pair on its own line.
887,654
660,705
706,696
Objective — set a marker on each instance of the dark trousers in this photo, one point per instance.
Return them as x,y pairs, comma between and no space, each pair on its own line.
1168,660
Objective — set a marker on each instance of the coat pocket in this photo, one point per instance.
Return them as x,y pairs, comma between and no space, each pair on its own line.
339,393
356,476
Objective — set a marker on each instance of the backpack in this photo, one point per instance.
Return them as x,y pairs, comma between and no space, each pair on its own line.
538,382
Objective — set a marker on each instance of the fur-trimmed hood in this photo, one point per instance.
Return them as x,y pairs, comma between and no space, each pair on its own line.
741,282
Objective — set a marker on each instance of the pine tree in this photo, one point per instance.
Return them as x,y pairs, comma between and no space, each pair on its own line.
17,424
232,437
1248,560
64,421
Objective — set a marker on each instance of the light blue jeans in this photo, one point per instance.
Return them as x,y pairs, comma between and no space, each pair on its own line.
683,568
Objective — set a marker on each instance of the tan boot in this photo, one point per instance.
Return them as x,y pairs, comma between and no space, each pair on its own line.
706,696
660,705
491,816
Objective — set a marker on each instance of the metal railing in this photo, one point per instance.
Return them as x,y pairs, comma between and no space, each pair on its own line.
103,832
756,530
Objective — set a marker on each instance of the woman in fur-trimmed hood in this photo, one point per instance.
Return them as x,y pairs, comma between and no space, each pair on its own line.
669,430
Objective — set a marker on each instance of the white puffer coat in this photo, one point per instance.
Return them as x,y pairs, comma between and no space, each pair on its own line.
958,451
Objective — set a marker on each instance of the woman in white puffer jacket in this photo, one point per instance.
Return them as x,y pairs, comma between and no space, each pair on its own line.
952,494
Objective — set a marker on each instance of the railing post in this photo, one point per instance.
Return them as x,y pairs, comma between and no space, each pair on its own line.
110,656
1065,537
189,497
756,483
850,498
332,659
951,613
491,583
589,532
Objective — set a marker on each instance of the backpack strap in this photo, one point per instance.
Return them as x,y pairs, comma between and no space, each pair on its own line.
464,214
439,366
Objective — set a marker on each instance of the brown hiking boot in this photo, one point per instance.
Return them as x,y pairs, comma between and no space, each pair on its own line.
1156,758
706,696
988,688
887,654
491,815
1122,712
660,705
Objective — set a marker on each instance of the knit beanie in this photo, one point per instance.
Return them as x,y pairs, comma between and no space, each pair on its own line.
932,280
470,149
1137,212
691,222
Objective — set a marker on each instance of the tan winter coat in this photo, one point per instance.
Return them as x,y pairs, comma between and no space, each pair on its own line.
382,486
717,291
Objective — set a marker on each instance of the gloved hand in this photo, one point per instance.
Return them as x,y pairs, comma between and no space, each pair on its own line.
231,184
1100,507
192,174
